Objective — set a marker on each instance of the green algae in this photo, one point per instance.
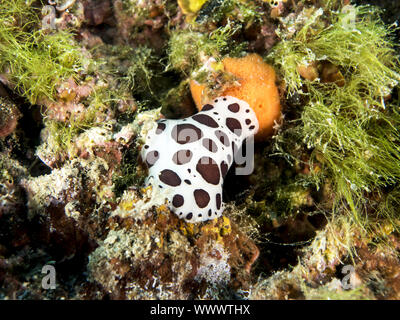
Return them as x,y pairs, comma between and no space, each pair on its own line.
128,174
188,48
327,293
240,11
350,129
215,32
133,69
139,74
35,62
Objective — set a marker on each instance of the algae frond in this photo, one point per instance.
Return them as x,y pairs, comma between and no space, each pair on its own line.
241,11
189,49
34,61
345,72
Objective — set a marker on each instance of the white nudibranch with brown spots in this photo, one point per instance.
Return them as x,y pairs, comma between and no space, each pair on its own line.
191,156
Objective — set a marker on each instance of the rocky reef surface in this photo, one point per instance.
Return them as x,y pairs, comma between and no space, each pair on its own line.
83,81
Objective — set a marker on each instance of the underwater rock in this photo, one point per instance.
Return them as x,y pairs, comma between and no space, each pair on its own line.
160,257
79,181
13,225
327,271
68,106
9,115
62,203
97,12
146,20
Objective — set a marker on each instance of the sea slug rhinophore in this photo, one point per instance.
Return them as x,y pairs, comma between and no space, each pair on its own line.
190,157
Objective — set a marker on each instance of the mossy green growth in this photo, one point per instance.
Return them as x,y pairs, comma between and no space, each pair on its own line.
64,133
357,41
126,74
128,175
33,61
188,49
141,72
243,12
132,67
141,10
281,197
349,127
136,8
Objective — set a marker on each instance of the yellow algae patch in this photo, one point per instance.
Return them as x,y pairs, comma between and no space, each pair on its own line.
226,226
191,7
218,227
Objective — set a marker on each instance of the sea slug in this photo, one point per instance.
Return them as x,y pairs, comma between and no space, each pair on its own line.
191,156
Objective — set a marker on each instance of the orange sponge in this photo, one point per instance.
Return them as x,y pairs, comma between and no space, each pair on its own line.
257,88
